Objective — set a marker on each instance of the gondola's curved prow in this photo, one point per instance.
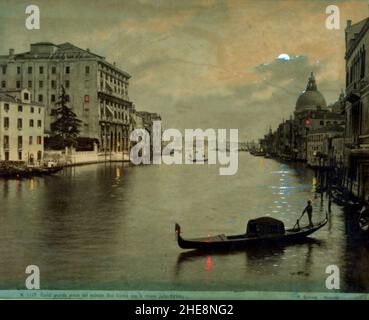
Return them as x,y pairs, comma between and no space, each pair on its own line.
177,230
181,243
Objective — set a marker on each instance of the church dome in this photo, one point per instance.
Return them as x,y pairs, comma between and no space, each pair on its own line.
311,98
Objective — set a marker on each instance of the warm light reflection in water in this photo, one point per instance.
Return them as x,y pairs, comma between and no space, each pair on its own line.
209,264
117,172
32,184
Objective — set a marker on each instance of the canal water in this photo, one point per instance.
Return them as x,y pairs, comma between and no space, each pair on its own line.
111,226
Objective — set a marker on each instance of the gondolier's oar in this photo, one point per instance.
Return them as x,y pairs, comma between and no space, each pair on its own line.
298,222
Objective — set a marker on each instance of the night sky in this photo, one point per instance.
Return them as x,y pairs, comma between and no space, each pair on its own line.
201,63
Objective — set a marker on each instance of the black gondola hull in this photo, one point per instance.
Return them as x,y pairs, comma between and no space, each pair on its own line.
222,242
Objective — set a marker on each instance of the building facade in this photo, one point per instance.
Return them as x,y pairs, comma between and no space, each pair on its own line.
312,113
21,128
290,140
356,160
97,90
324,146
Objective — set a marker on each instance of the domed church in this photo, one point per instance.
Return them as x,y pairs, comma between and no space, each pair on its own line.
311,110
311,99
312,114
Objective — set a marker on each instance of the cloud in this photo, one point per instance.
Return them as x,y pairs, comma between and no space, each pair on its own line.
208,63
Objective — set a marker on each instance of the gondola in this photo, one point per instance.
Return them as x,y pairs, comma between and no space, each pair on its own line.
260,231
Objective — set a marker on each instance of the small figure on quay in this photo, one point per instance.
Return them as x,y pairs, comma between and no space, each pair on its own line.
309,211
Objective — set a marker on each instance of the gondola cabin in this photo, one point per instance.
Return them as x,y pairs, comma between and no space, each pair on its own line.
265,226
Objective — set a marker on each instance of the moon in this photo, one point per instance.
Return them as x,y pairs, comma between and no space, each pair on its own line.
284,56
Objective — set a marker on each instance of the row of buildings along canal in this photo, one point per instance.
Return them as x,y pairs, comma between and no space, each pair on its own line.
97,92
331,137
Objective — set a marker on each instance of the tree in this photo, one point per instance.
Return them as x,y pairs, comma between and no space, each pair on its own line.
66,126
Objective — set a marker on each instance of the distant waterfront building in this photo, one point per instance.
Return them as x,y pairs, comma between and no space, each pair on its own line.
323,146
97,89
21,128
312,113
146,120
357,109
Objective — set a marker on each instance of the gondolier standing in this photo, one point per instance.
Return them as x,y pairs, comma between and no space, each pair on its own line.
309,211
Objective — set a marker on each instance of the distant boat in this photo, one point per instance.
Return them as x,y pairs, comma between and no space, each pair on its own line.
25,172
263,230
258,153
364,221
202,159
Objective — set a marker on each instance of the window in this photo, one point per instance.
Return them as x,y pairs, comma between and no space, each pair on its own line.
67,83
6,142
31,123
20,124
20,108
6,122
39,123
53,98
67,69
6,155
86,98
39,110
30,70
20,142
30,140
20,155
18,70
29,84
41,84
87,70
32,109
40,98
18,84
322,123
53,70
39,155
39,140
26,96
53,84
4,69
6,107
3,84
41,70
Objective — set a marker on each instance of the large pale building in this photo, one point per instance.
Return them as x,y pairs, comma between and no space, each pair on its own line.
21,128
357,109
97,89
